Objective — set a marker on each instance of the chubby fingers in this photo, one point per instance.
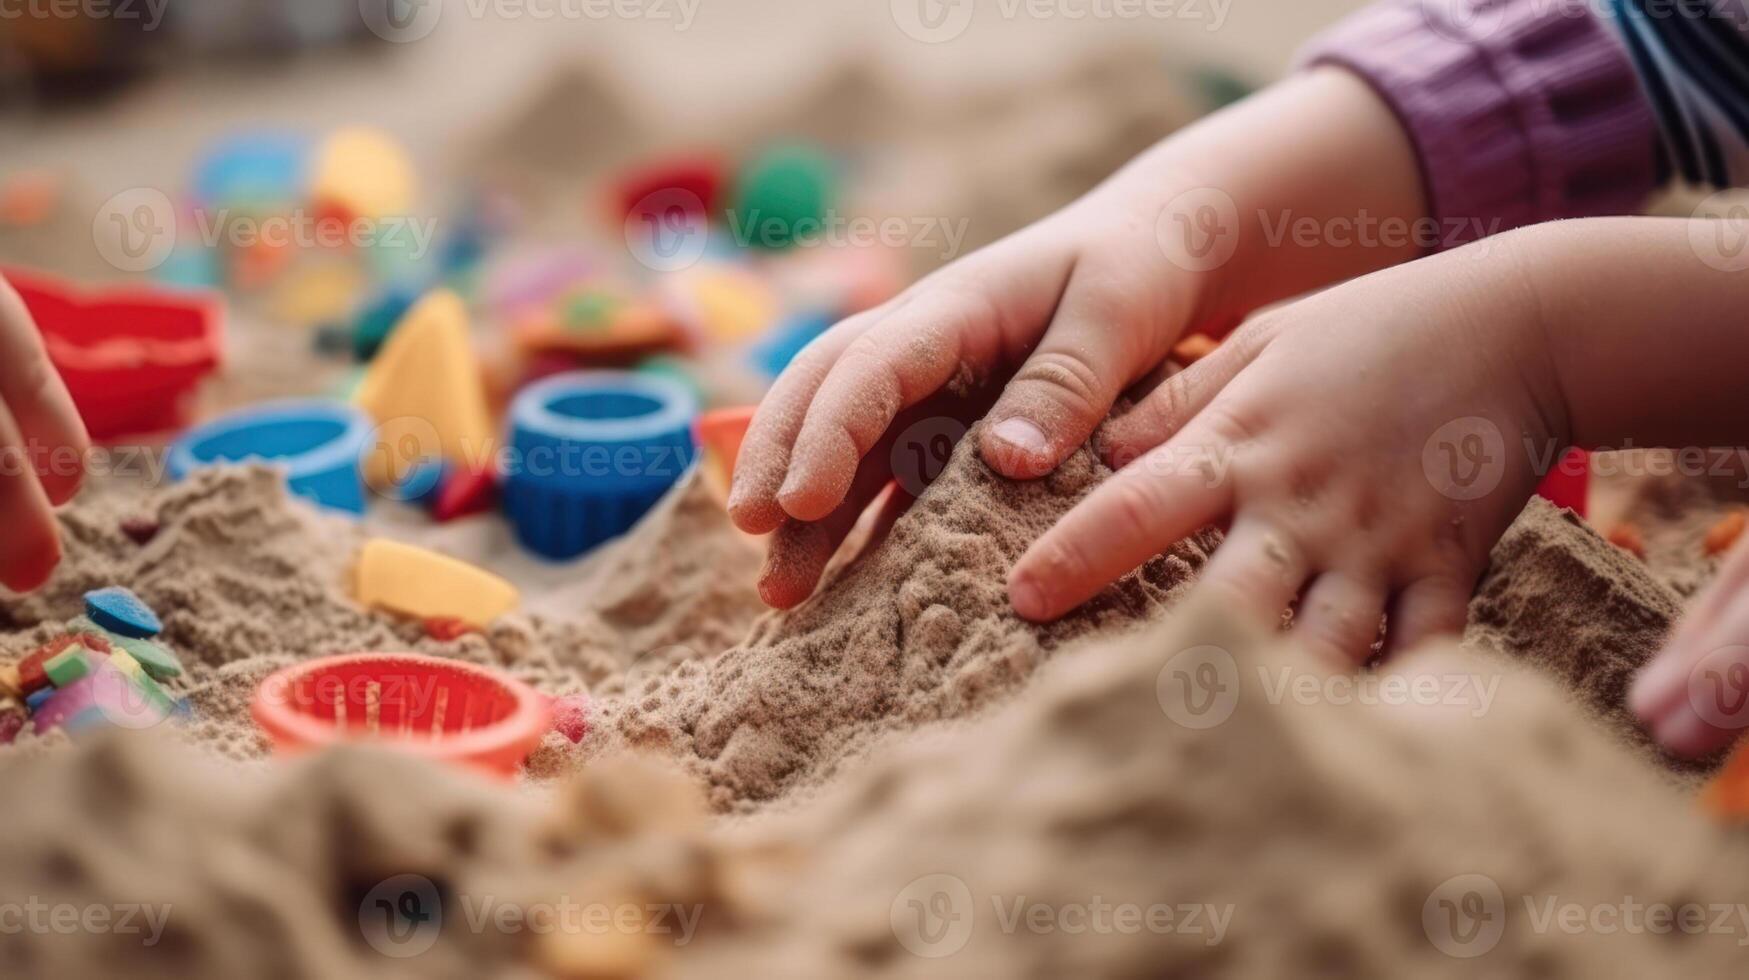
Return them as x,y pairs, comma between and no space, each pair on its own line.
950,330
1177,400
48,426
1103,336
1140,511
800,550
30,545
1694,695
765,450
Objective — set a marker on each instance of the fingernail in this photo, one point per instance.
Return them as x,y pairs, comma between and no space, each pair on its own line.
1027,598
1022,435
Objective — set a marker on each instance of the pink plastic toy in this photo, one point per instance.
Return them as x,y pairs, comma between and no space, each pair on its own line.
441,709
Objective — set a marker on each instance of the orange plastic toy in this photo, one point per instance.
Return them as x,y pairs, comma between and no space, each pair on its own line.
441,709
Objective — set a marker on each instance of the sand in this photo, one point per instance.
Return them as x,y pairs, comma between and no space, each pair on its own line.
1277,835
248,579
918,631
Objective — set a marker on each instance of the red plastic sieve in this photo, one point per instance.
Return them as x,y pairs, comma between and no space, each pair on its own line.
442,709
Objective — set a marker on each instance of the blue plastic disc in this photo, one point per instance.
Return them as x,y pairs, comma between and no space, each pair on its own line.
123,613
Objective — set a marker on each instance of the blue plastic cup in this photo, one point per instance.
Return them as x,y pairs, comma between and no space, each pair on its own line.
590,453
318,444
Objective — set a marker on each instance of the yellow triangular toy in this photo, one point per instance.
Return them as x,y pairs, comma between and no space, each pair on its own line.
424,584
426,394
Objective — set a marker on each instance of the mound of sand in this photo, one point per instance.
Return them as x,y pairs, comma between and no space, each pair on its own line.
918,630
1573,605
1121,819
1336,837
248,580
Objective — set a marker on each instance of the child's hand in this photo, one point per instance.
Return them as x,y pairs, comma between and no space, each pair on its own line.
1069,312
1366,445
42,449
1694,696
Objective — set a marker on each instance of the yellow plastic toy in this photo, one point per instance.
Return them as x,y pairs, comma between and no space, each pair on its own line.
728,305
426,394
364,171
426,585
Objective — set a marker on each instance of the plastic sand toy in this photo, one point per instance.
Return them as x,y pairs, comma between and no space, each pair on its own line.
783,197
103,671
319,444
425,585
442,709
130,356
591,451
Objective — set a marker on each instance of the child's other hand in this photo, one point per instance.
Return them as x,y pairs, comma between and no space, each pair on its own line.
1076,307
1694,696
1367,446
42,449
1069,312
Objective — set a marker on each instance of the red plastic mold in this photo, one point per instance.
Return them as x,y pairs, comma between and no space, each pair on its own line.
441,709
130,355
1569,483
